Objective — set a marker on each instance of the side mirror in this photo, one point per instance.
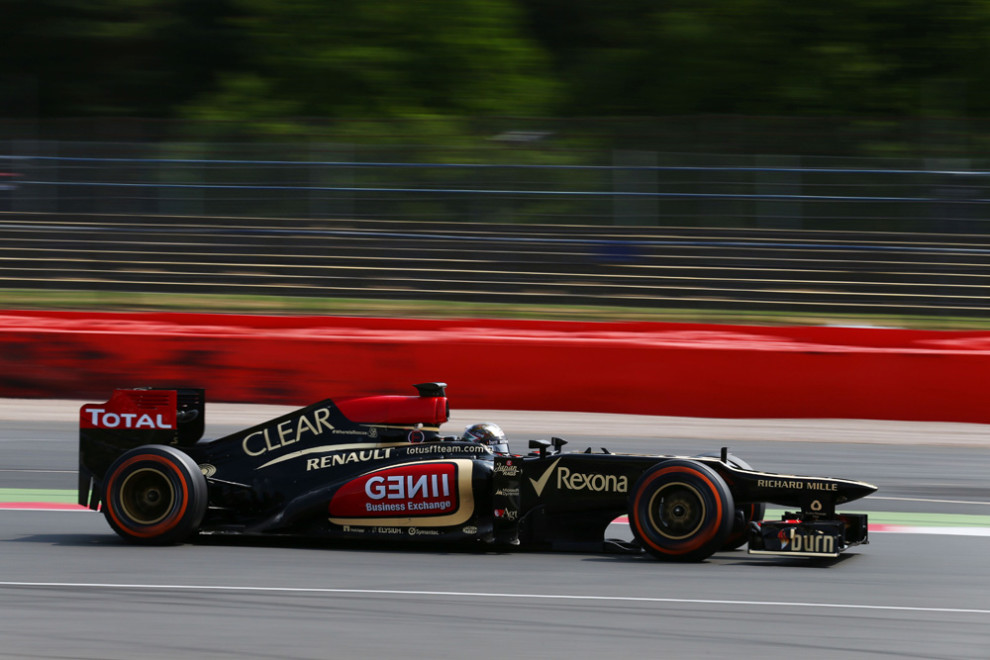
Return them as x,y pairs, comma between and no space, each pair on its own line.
541,445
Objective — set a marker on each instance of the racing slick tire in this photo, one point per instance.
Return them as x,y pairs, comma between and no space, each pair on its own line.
681,510
154,495
745,513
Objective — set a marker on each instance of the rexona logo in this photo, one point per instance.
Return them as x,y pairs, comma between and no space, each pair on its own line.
409,490
568,479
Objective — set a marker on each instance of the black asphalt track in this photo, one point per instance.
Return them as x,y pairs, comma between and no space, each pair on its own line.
69,588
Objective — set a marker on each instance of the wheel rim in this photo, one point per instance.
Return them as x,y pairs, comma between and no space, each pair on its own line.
677,511
147,496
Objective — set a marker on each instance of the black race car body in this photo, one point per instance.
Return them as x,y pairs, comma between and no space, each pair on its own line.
377,467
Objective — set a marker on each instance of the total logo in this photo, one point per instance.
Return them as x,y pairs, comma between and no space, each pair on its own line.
568,479
102,419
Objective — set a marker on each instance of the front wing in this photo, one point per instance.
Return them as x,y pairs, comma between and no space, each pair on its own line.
796,536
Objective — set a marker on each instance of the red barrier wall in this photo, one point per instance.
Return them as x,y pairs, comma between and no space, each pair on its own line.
647,368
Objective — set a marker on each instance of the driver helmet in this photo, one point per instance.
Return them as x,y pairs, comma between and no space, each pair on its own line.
489,434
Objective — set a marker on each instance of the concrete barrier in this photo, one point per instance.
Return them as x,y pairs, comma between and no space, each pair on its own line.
642,368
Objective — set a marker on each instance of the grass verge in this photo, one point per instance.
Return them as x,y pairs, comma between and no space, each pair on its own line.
25,299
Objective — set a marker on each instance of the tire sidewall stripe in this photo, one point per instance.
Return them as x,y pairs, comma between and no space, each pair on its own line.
172,520
702,538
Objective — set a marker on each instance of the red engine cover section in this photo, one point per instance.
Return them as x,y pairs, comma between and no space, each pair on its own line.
411,490
132,409
390,409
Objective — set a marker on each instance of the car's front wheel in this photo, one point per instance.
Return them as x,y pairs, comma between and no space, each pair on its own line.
681,510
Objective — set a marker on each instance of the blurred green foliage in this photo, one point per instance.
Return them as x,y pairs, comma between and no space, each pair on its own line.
271,64
862,57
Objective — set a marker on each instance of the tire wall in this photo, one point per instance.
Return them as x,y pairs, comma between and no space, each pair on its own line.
643,368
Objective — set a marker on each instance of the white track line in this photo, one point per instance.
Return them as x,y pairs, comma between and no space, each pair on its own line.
944,531
928,500
490,595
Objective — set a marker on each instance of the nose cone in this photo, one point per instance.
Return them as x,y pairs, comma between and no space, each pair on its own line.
853,490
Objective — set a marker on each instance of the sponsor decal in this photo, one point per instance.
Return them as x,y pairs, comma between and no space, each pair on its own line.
354,530
355,452
818,543
415,531
598,483
287,432
99,418
797,485
508,492
568,479
450,449
509,469
387,530
540,484
507,514
141,409
208,470
410,490
793,539
470,530
344,458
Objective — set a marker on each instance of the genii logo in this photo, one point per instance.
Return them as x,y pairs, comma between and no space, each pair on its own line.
423,489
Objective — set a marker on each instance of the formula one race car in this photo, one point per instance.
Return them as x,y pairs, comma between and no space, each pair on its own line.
376,467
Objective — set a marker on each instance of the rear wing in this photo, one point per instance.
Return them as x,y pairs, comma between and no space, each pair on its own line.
136,417
131,418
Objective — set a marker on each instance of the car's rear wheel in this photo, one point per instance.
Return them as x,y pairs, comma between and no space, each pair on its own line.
681,510
154,495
